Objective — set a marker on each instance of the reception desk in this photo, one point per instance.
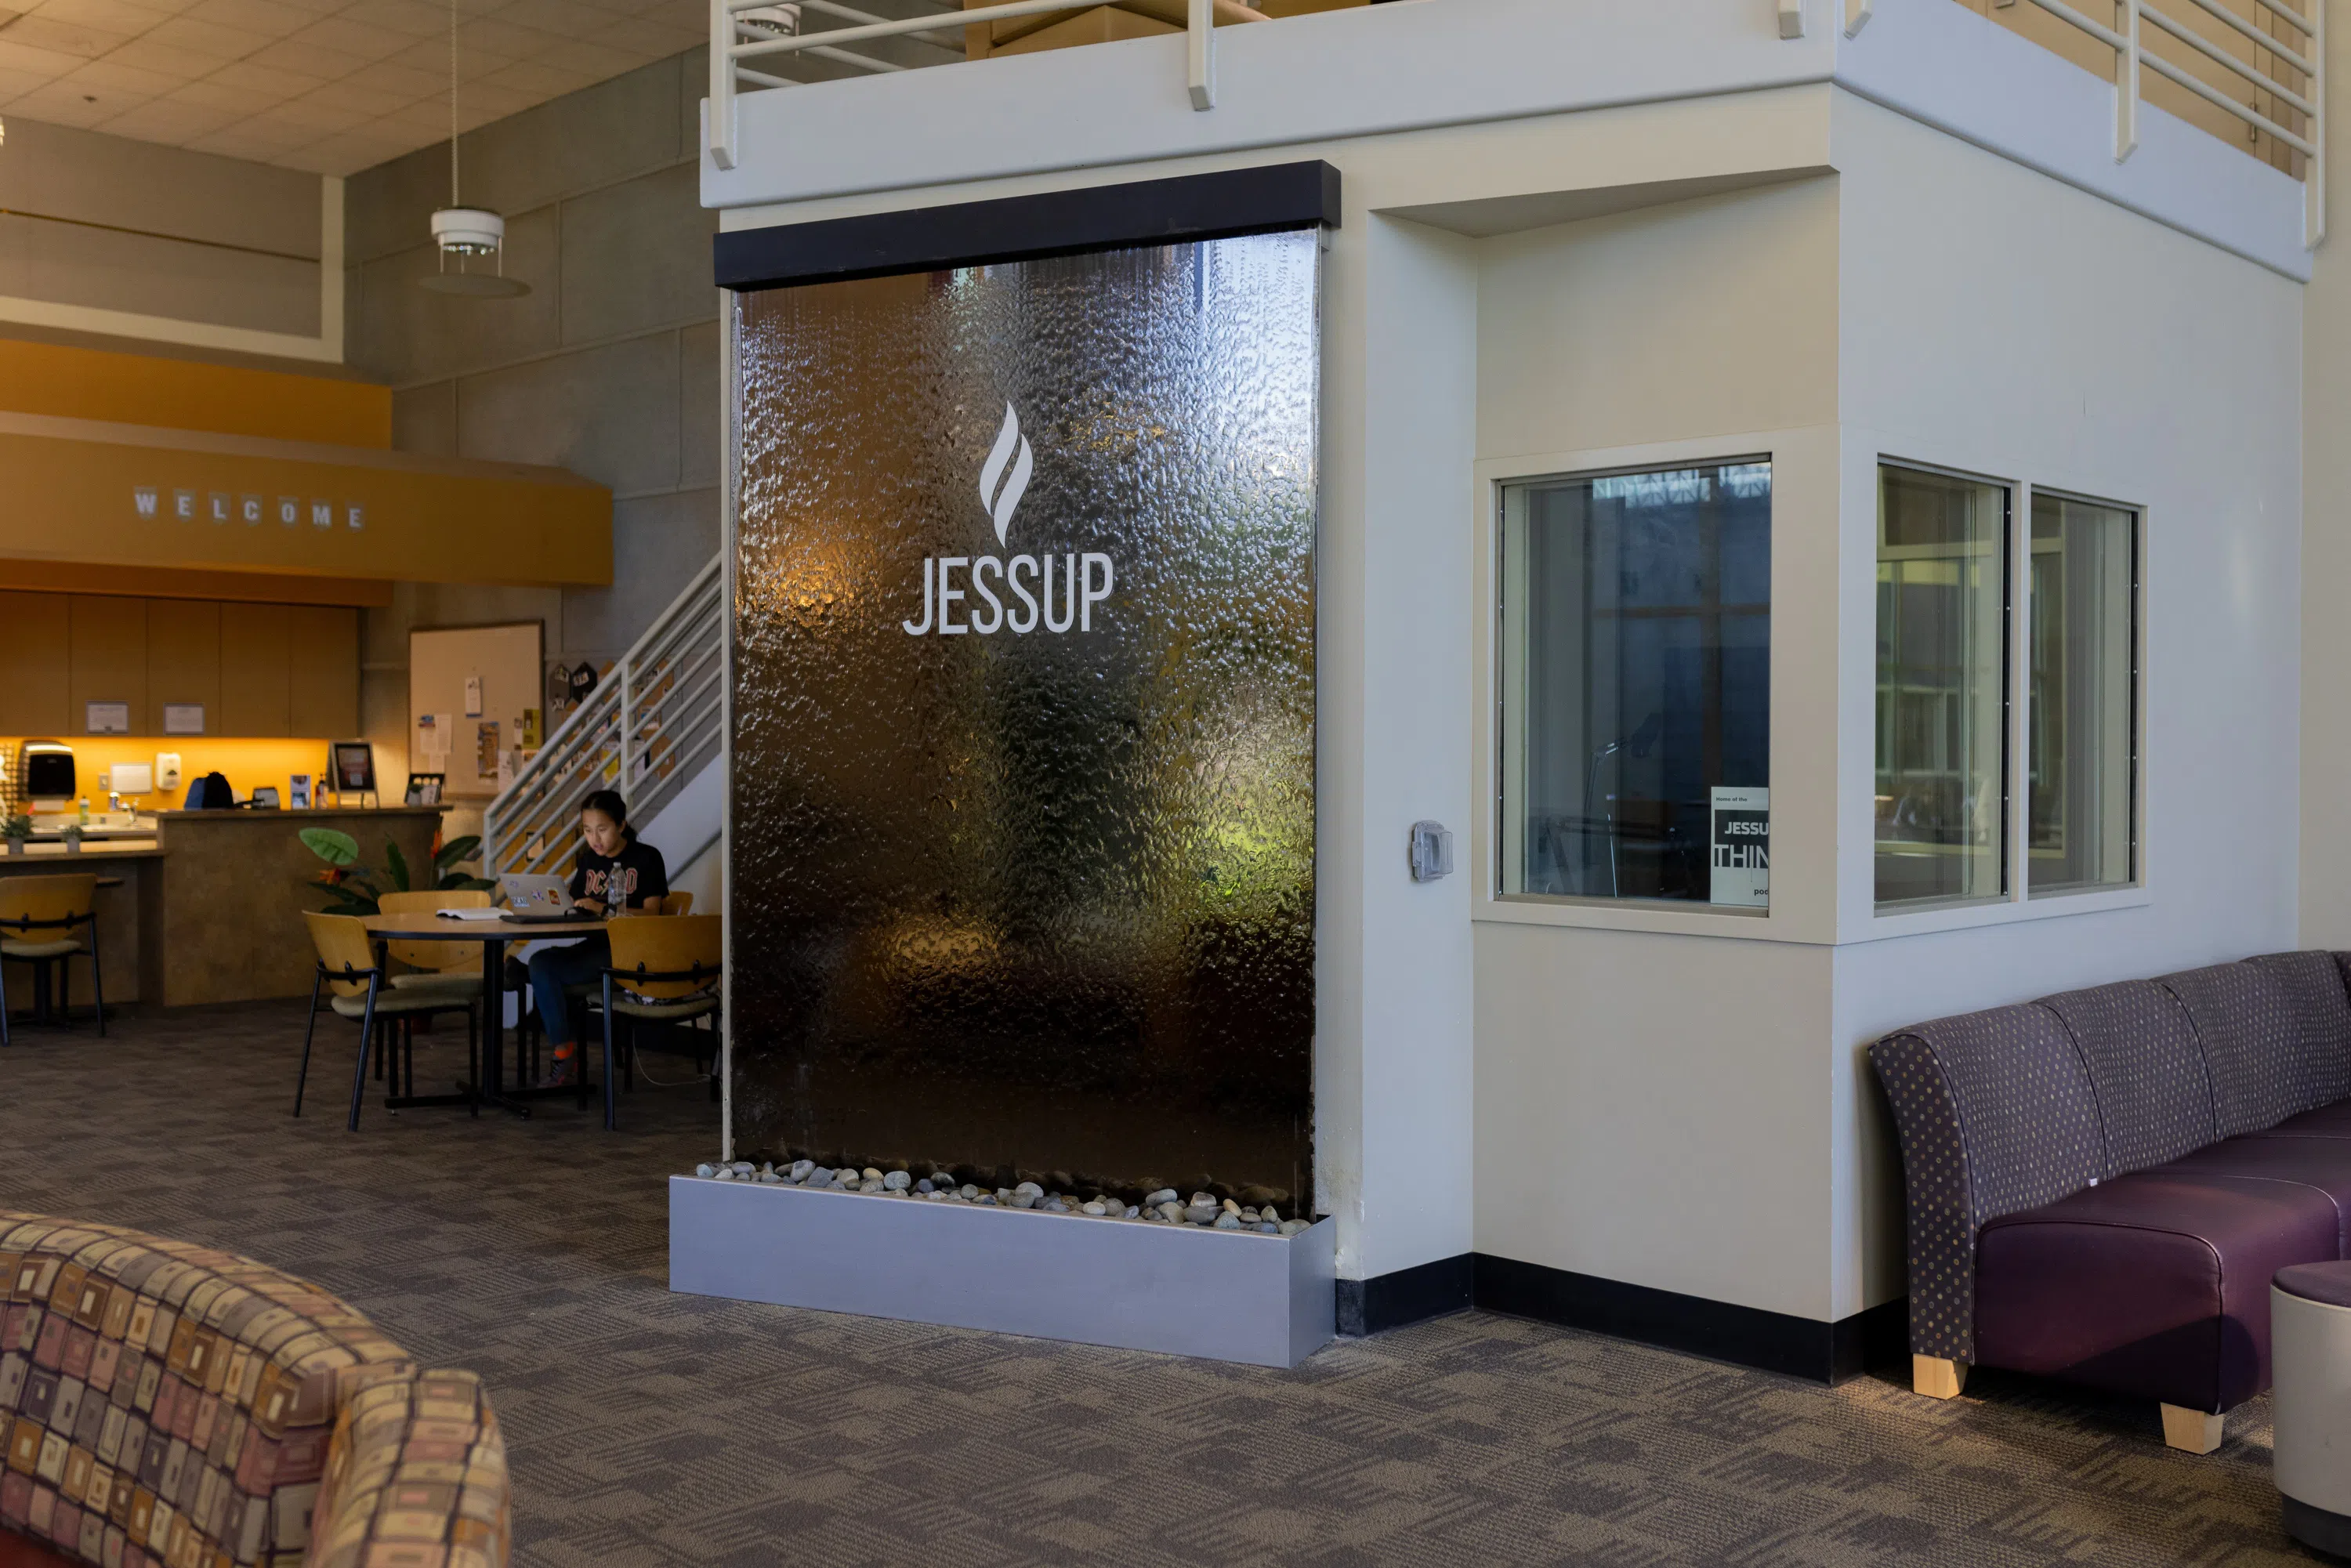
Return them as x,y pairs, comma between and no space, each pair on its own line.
228,901
210,909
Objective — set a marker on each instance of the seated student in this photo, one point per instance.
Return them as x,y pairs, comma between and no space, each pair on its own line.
614,871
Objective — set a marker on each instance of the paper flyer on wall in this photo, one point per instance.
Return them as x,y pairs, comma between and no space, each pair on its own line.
1740,846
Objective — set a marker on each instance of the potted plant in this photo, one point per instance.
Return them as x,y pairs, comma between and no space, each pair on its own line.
19,829
355,888
73,838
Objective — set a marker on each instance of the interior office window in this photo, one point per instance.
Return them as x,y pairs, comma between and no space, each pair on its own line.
2081,760
1636,662
1942,665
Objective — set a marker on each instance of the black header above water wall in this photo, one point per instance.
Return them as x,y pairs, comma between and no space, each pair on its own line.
1190,208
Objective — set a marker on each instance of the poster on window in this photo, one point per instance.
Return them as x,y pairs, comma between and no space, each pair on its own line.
1741,847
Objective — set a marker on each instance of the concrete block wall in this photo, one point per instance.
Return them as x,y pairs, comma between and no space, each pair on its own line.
609,367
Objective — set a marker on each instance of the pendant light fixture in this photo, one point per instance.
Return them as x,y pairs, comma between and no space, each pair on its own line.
464,234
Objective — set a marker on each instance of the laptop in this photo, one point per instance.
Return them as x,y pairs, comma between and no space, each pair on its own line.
539,900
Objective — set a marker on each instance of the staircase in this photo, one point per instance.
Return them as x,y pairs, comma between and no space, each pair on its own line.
653,731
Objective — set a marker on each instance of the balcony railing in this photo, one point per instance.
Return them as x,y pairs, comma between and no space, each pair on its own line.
2260,65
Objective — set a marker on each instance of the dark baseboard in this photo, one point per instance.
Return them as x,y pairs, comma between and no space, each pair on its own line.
1407,1296
1746,1336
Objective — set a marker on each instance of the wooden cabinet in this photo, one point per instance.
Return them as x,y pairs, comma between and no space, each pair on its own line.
184,663
36,651
324,697
256,672
108,653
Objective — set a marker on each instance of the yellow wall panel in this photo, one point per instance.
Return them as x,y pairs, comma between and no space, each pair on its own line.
188,394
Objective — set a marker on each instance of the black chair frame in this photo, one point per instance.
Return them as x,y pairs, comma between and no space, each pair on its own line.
392,1037
618,1027
21,929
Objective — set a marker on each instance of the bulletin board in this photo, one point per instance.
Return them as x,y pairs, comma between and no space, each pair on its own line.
475,697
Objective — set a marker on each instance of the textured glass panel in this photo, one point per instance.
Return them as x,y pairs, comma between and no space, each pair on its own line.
1023,836
1942,706
1636,673
2082,762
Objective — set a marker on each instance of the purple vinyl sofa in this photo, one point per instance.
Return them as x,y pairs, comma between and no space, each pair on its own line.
2102,1183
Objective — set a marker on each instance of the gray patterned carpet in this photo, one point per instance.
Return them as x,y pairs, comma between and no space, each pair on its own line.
650,1428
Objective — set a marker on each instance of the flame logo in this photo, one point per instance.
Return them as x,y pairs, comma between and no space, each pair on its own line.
999,504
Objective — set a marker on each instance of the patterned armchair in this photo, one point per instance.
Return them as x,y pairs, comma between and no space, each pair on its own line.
167,1405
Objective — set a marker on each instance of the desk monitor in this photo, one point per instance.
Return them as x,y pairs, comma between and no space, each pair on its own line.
351,765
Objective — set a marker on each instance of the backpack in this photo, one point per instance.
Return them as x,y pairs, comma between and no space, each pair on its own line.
210,793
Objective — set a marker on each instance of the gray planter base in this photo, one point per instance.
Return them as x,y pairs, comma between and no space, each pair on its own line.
1180,1289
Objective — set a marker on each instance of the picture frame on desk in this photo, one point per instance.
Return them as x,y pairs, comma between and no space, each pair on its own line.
298,792
424,788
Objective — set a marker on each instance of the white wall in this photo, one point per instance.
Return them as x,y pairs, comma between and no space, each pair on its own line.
1392,570
2327,551
1996,321
1669,1083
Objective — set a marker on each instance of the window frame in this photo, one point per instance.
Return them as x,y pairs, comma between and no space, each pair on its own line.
2018,902
1807,484
2015,500
1499,805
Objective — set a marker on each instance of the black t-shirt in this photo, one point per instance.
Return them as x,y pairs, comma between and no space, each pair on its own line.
638,868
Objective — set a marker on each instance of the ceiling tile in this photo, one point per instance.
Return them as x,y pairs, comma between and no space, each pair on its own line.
213,40
210,94
169,120
267,83
308,59
597,62
270,16
41,32
60,105
122,84
15,84
45,63
412,17
106,16
358,41
161,58
407,81
491,37
366,103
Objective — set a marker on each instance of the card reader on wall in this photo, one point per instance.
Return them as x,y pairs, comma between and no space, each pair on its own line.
1432,852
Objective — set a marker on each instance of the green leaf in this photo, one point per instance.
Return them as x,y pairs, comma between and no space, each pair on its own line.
395,866
457,850
454,883
334,848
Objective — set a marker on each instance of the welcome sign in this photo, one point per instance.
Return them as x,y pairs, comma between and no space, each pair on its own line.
1023,831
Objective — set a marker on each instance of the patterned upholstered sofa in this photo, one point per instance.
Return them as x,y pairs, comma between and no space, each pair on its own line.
2102,1183
171,1405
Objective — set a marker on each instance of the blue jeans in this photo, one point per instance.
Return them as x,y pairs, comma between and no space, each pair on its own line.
552,968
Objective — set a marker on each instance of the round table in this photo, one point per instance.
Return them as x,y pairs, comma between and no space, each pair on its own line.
493,936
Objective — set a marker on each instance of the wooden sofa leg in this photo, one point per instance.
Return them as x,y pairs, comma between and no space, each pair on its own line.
2190,1431
1938,1377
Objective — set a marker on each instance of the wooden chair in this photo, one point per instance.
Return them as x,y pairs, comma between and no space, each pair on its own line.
665,970
436,965
354,981
446,969
39,919
678,904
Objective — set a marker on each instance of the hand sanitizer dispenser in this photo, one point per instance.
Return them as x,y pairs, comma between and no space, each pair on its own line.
167,771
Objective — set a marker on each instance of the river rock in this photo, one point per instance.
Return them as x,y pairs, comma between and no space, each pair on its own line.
1227,1222
897,1181
704,1170
1163,1195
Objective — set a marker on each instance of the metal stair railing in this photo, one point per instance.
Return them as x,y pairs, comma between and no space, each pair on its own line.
652,726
